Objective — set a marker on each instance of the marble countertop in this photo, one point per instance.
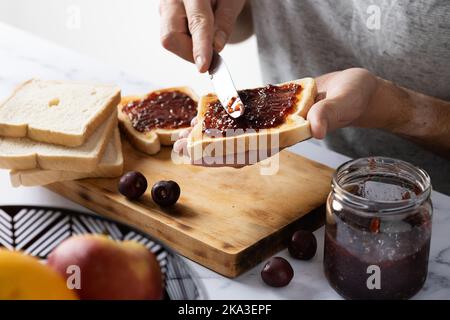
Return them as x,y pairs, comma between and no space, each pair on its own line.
23,56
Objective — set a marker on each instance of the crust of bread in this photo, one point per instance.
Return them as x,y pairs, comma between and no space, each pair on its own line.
40,177
77,163
295,129
149,142
60,138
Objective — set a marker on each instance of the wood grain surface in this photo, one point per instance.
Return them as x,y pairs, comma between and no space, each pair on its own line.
226,219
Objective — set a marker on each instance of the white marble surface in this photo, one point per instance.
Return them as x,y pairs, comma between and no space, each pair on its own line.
23,56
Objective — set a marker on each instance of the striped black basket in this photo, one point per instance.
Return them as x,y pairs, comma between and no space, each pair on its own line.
38,230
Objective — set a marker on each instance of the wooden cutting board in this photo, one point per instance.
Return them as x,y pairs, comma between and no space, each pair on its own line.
226,219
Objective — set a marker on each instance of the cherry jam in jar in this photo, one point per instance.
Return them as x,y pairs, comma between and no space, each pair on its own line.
378,229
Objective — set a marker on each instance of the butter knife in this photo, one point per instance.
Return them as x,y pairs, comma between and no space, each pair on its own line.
224,87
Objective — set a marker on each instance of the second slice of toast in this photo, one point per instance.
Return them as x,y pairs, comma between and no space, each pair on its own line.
150,141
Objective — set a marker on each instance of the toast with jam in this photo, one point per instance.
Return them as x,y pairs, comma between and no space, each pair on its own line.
156,118
274,118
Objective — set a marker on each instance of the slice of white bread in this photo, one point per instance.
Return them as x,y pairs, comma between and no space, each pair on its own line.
110,165
294,129
58,112
150,141
23,153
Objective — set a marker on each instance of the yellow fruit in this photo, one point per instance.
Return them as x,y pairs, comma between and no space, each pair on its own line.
25,278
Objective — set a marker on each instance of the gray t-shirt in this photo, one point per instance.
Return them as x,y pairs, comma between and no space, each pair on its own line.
405,41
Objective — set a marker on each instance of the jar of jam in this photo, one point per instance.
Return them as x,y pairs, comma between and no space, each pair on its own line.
378,229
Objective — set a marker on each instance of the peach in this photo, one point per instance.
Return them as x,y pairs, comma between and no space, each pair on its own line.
100,268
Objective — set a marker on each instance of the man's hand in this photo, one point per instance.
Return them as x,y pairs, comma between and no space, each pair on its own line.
193,28
343,100
355,97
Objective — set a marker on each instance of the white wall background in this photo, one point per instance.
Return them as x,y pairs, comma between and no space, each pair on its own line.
125,34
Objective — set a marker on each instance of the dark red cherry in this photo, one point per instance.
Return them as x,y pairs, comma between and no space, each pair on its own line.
132,185
277,272
303,245
166,193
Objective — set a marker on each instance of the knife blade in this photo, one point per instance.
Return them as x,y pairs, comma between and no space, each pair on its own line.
224,87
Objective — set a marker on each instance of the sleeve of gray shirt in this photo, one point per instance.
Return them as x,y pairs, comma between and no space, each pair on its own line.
404,41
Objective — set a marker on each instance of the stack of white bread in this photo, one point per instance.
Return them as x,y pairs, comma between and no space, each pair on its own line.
55,131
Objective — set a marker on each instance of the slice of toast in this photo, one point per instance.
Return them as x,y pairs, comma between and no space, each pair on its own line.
58,112
23,153
110,165
294,129
150,141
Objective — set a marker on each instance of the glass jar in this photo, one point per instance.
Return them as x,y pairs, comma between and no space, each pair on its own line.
378,229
